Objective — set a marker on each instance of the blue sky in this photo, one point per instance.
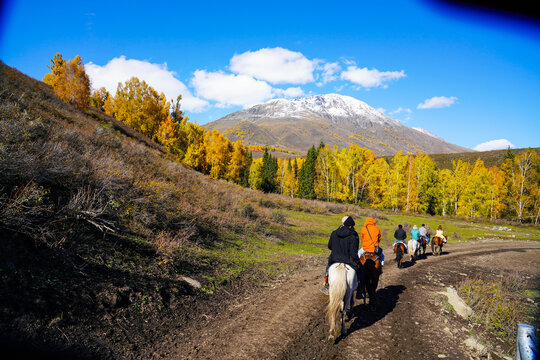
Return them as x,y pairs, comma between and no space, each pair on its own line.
469,77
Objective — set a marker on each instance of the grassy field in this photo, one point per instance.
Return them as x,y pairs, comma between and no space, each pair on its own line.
279,246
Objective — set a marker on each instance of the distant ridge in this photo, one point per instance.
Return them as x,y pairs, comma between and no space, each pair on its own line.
490,158
335,119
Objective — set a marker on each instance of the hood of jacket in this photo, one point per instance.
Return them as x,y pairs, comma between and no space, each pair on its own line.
343,232
369,221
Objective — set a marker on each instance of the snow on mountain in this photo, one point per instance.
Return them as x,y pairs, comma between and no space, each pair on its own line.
422,130
331,106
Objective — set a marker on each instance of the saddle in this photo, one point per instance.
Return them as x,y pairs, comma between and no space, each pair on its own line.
397,243
369,256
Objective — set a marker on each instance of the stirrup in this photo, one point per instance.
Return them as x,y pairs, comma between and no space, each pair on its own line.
324,290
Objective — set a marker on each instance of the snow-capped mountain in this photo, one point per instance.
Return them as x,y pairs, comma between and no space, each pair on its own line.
335,119
331,106
424,131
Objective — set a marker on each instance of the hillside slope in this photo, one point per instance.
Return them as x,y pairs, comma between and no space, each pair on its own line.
109,246
335,119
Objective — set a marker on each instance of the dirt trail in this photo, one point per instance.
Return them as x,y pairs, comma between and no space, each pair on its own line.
286,320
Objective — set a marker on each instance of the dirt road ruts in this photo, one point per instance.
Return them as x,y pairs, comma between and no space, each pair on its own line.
286,320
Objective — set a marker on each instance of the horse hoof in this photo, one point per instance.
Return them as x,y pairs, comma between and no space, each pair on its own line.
331,338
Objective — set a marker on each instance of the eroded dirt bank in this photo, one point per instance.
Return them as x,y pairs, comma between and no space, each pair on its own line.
286,319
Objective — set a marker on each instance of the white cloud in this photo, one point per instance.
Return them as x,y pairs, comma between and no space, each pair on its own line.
157,76
494,145
329,73
401,110
370,78
231,89
291,92
275,65
437,102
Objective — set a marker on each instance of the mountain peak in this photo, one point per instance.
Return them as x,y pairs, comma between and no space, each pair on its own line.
297,124
334,107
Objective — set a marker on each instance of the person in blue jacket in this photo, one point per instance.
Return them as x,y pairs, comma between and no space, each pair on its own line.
415,234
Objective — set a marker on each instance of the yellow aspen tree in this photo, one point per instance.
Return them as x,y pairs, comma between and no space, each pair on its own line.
536,204
343,173
108,106
460,170
396,190
140,106
367,157
476,193
497,192
218,150
322,169
288,183
411,197
57,67
426,177
69,81
379,174
169,135
255,174
195,156
281,174
523,182
237,163
443,189
99,97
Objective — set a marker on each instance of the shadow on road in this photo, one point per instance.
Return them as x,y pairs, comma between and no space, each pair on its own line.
387,297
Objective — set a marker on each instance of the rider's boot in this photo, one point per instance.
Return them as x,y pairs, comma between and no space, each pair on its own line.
324,289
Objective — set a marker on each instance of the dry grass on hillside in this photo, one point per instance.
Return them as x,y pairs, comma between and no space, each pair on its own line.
63,170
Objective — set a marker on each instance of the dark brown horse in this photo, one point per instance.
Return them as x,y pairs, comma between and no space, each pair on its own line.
423,241
372,271
399,250
436,245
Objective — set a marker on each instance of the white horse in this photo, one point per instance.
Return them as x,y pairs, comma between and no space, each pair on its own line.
414,248
342,283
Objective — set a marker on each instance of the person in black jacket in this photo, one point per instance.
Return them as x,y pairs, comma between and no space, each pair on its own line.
344,243
400,235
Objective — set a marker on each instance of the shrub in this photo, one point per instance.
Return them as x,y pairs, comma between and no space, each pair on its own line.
496,303
248,211
278,216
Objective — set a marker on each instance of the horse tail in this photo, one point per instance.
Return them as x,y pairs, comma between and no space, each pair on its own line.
338,288
410,246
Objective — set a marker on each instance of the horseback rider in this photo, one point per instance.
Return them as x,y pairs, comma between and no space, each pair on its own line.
344,243
440,234
415,234
400,235
423,233
371,237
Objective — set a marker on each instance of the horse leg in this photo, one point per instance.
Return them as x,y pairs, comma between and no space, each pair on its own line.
343,326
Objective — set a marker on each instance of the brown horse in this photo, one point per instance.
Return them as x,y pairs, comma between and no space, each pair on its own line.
423,241
436,245
372,271
399,250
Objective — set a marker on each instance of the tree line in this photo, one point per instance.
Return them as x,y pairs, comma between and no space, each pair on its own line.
409,183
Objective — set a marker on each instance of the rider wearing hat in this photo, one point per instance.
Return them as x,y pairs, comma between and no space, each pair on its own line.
344,244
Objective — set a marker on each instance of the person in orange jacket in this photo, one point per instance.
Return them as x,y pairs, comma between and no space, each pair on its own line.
371,236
